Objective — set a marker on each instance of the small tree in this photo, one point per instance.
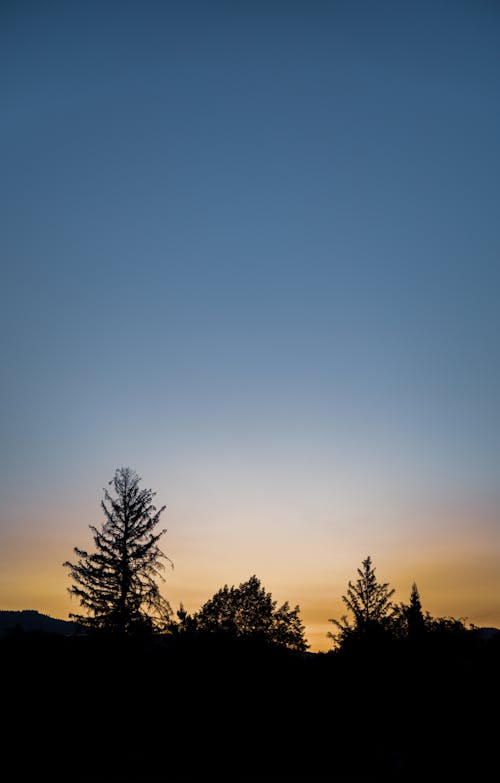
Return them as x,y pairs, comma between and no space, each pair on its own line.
248,611
411,622
116,585
370,604
185,623
410,619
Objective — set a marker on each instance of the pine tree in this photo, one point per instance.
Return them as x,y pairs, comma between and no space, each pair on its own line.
116,585
415,620
409,619
370,604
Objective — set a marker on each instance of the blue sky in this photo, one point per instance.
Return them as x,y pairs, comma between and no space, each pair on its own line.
252,251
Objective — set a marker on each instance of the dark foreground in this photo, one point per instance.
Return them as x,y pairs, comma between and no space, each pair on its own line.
186,710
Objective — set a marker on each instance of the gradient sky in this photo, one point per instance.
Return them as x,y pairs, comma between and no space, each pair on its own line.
251,250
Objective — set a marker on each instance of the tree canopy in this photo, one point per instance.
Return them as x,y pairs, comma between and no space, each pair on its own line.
249,611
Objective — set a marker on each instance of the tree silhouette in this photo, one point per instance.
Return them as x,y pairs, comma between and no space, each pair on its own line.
185,623
410,619
248,611
370,604
116,585
411,622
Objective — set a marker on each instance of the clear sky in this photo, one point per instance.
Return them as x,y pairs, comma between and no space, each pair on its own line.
251,250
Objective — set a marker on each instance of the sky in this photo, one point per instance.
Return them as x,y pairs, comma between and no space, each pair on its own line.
251,250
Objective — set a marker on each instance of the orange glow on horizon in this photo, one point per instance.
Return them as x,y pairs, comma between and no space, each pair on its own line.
453,561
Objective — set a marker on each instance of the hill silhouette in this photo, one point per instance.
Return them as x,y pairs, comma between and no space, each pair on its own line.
29,620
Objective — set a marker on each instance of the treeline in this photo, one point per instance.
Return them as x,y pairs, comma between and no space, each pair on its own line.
230,693
372,617
117,587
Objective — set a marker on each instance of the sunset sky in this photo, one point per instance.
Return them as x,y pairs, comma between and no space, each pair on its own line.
252,250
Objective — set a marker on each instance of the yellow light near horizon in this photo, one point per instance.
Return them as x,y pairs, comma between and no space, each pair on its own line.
453,556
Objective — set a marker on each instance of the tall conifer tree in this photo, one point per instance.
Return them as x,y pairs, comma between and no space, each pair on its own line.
117,583
369,602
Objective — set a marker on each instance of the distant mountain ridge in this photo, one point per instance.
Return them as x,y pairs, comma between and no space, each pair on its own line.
32,620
